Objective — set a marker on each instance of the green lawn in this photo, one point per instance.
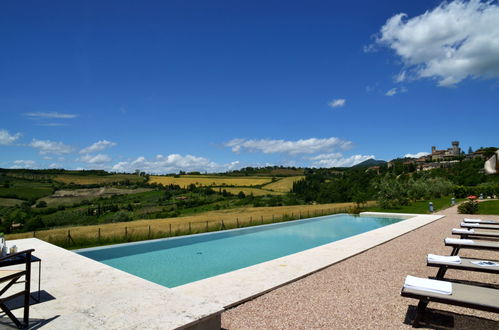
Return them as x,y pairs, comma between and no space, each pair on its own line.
420,207
489,207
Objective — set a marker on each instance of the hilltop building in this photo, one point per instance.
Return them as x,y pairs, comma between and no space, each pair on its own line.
450,153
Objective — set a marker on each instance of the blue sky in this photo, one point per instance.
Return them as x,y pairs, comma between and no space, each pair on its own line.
164,86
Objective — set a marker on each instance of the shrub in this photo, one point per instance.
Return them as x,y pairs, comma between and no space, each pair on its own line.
470,207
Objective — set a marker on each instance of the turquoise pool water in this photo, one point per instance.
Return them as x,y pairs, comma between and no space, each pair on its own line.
176,261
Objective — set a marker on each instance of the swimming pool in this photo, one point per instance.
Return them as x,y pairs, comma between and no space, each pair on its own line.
176,261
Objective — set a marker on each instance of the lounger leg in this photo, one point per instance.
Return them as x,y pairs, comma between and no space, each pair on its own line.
419,312
441,273
10,315
455,251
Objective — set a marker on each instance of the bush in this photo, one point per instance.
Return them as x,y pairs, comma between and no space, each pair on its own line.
41,204
470,207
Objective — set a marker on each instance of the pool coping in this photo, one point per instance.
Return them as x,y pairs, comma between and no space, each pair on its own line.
236,287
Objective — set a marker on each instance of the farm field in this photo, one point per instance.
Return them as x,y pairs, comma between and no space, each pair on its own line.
96,179
249,191
205,180
231,217
283,185
26,190
10,201
69,197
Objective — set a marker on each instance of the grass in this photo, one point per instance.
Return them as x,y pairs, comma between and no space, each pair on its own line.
208,221
206,180
283,185
489,207
419,207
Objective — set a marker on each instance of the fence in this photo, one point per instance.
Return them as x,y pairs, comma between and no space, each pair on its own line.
86,237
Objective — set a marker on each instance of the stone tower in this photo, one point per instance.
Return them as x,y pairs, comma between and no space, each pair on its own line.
456,151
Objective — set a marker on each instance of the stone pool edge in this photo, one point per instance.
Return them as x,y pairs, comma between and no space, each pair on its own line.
236,287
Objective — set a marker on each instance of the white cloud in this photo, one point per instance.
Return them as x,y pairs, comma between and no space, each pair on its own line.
335,155
98,146
455,40
39,115
308,146
55,165
6,138
396,90
51,147
335,160
391,92
24,164
96,159
173,163
419,154
337,103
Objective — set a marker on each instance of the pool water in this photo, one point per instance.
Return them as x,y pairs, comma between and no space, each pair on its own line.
176,261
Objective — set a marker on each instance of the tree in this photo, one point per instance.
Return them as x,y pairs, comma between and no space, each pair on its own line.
470,151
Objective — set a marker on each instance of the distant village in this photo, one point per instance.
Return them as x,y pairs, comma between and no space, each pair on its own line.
437,158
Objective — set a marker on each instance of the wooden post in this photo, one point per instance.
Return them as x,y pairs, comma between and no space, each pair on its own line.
291,215
206,225
237,222
149,232
126,231
98,235
190,227
170,229
34,234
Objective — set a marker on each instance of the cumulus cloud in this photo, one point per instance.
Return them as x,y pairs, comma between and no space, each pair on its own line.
308,146
57,115
51,147
173,163
6,138
419,154
24,164
337,160
95,159
337,103
455,40
98,146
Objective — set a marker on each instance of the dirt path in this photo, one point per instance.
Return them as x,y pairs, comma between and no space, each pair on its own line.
363,292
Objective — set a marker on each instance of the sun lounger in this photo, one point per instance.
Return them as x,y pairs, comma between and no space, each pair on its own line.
474,233
457,244
481,221
477,265
479,225
469,296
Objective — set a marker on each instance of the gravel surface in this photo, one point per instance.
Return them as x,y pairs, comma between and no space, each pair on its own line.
363,292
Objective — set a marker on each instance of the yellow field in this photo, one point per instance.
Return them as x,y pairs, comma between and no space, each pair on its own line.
206,180
254,191
197,222
283,185
96,179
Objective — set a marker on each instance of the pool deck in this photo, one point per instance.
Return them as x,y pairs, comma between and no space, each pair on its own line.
80,293
363,292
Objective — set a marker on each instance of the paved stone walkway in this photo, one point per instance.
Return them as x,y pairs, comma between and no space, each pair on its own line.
363,292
